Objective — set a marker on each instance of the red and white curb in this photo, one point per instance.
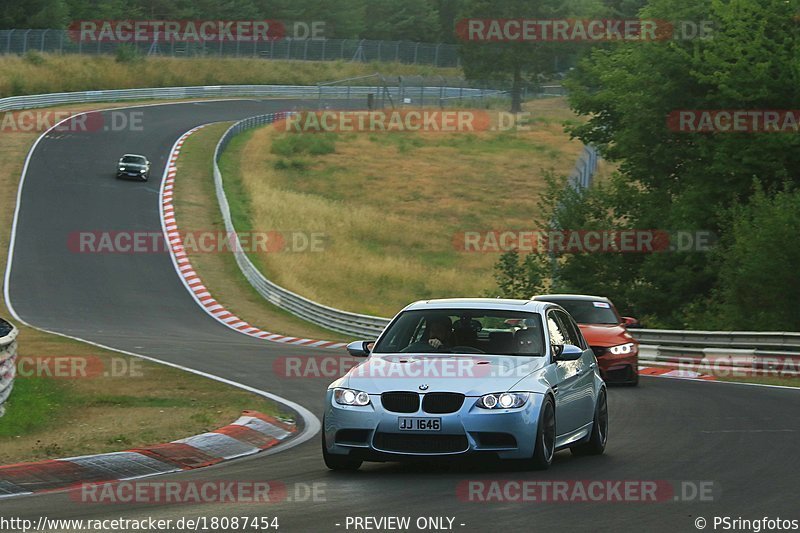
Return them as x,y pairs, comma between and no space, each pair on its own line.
667,372
251,433
191,279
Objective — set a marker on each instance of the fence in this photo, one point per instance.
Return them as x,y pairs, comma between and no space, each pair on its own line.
8,357
21,41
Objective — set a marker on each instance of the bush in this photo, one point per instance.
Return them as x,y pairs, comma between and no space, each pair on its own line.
758,286
34,58
127,53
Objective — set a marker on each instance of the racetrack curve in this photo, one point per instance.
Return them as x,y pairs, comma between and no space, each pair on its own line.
741,438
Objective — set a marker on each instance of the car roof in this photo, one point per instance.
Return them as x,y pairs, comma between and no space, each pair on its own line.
133,155
581,297
479,303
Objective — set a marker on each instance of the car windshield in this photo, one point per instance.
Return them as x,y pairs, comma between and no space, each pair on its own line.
134,159
489,331
589,311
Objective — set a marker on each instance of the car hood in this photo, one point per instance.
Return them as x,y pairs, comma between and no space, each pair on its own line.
605,334
471,375
132,166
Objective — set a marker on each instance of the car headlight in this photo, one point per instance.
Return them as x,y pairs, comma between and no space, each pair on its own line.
623,349
122,169
503,400
143,171
350,397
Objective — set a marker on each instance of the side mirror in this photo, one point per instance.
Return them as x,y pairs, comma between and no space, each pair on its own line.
630,322
567,352
360,348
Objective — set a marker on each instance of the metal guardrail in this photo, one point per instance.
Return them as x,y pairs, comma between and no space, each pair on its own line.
21,41
753,340
229,91
8,358
582,175
334,319
732,353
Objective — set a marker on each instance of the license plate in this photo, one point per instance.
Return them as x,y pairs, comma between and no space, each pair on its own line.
419,424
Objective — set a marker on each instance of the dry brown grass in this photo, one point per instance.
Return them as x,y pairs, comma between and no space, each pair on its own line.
105,414
391,203
21,75
196,209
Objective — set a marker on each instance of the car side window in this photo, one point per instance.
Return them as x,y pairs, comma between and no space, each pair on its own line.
557,334
573,334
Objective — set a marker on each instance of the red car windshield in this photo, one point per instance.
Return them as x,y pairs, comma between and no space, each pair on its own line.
589,312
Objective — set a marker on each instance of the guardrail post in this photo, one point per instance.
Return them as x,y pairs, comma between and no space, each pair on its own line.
436,55
44,34
8,44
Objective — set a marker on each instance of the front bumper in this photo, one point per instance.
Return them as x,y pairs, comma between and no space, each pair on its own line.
618,368
371,432
131,175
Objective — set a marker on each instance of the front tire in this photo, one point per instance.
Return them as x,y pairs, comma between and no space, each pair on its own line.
596,444
338,462
545,436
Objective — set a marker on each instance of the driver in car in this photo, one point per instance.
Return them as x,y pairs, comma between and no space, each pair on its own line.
438,333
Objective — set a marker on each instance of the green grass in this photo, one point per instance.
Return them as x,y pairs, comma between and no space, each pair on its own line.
238,200
34,404
765,380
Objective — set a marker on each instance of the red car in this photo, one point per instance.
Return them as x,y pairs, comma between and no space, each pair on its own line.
606,332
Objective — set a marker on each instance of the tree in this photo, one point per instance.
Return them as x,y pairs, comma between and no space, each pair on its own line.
518,63
520,278
683,181
410,20
759,288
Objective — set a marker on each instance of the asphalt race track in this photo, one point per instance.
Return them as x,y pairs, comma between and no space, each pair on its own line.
742,439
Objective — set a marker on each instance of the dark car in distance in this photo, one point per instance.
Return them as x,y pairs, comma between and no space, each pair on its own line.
132,166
